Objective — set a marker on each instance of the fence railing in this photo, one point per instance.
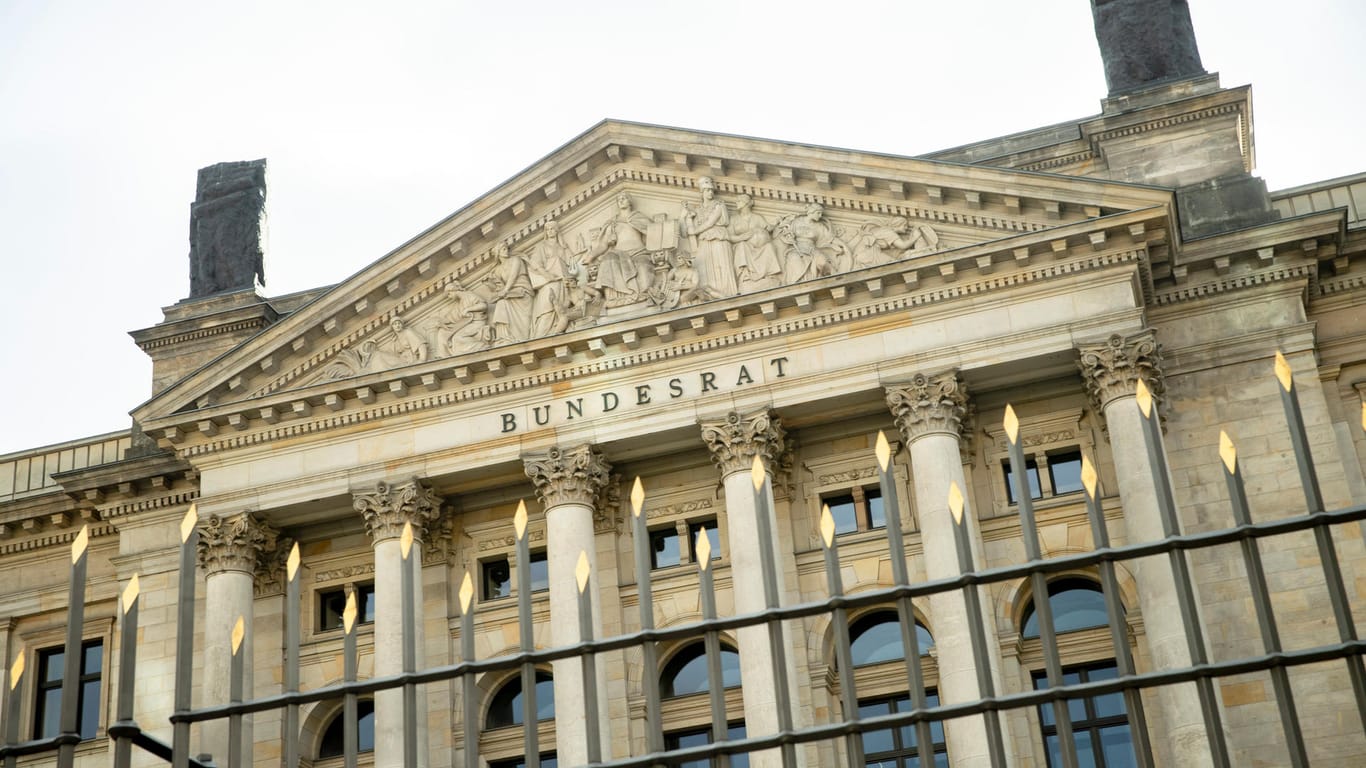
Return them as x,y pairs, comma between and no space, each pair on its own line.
1275,660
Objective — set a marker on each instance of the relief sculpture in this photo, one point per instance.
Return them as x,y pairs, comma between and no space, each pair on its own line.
811,246
709,239
513,297
756,257
462,325
882,242
624,270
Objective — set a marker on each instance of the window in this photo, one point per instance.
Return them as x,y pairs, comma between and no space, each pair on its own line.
674,545
860,509
897,747
664,550
1061,474
1064,469
547,761
1076,603
1031,472
876,637
686,672
47,711
332,603
506,708
1100,724
497,576
700,736
333,743
713,536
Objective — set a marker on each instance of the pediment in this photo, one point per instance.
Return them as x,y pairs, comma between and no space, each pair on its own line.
626,224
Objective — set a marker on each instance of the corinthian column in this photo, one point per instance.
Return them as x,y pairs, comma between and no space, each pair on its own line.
929,411
385,510
230,549
1112,371
734,442
568,482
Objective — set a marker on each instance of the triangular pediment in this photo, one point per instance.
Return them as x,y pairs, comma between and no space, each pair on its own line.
615,229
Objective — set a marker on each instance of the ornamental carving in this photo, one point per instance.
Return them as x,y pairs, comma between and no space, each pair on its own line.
607,509
574,475
238,542
737,439
388,507
270,569
928,405
1112,369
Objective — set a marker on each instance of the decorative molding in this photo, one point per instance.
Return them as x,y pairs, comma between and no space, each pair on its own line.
239,542
677,509
345,573
735,440
388,507
607,508
575,475
1112,369
270,569
930,404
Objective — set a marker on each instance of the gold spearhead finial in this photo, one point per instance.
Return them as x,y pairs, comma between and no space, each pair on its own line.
637,497
187,522
78,546
16,670
581,570
1283,372
827,526
405,541
1144,398
130,594
1012,425
956,502
519,519
239,631
349,612
292,564
703,547
1228,453
466,593
1088,476
883,451
756,473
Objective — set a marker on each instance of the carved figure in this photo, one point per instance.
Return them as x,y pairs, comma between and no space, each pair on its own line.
403,345
811,247
624,269
887,241
683,285
463,327
706,228
550,263
513,296
756,257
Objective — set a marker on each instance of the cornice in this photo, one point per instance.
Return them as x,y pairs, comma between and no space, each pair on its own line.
57,538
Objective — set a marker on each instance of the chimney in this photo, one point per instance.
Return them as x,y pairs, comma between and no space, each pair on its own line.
1145,42
228,229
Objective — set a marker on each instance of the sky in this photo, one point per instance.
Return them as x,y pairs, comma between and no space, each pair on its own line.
379,120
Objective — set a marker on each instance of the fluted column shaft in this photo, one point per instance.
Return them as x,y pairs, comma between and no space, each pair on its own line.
734,442
385,510
230,549
569,482
929,411
1112,371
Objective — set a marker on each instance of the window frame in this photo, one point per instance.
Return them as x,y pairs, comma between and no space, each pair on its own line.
361,588
40,688
673,739
33,635
336,719
1046,436
901,755
1091,723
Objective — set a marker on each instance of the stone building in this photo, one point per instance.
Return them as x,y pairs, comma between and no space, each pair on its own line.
667,304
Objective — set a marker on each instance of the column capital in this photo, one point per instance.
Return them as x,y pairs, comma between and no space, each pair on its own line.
929,404
735,440
237,542
1113,367
573,475
389,506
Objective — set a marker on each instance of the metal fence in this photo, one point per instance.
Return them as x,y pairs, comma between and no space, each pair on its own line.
1274,659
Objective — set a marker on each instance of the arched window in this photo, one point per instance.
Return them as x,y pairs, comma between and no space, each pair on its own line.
1076,603
876,637
506,708
686,672
333,743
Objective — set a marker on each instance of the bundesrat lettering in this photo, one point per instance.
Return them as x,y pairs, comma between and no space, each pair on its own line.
643,394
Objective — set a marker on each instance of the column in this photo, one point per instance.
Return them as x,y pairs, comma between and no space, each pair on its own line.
230,549
734,442
568,482
929,411
1112,371
385,510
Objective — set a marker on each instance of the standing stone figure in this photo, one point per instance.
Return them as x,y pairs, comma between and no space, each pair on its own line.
706,228
1144,42
756,259
227,228
550,263
513,294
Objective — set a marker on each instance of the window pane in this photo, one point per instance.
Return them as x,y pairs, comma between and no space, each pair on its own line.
52,662
92,663
497,579
664,548
686,673
506,707
49,720
89,708
330,607
1086,754
842,510
365,603
877,516
1031,472
1076,603
1109,704
1065,472
1117,747
713,537
540,572
877,641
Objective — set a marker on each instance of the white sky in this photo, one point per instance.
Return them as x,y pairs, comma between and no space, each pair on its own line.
379,120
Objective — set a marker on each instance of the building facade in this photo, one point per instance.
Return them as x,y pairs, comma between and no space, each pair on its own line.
667,304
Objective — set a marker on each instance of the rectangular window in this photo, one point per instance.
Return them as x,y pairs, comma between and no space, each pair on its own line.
701,736
540,572
47,711
547,761
1100,724
713,537
898,746
664,549
1031,473
1064,471
332,603
860,509
497,579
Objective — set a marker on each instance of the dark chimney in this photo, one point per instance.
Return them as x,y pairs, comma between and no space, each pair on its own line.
1145,42
227,228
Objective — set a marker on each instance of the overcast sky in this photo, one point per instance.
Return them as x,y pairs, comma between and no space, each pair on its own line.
378,120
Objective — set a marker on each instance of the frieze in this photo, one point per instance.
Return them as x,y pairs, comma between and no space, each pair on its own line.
1035,440
848,476
508,542
681,508
345,573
